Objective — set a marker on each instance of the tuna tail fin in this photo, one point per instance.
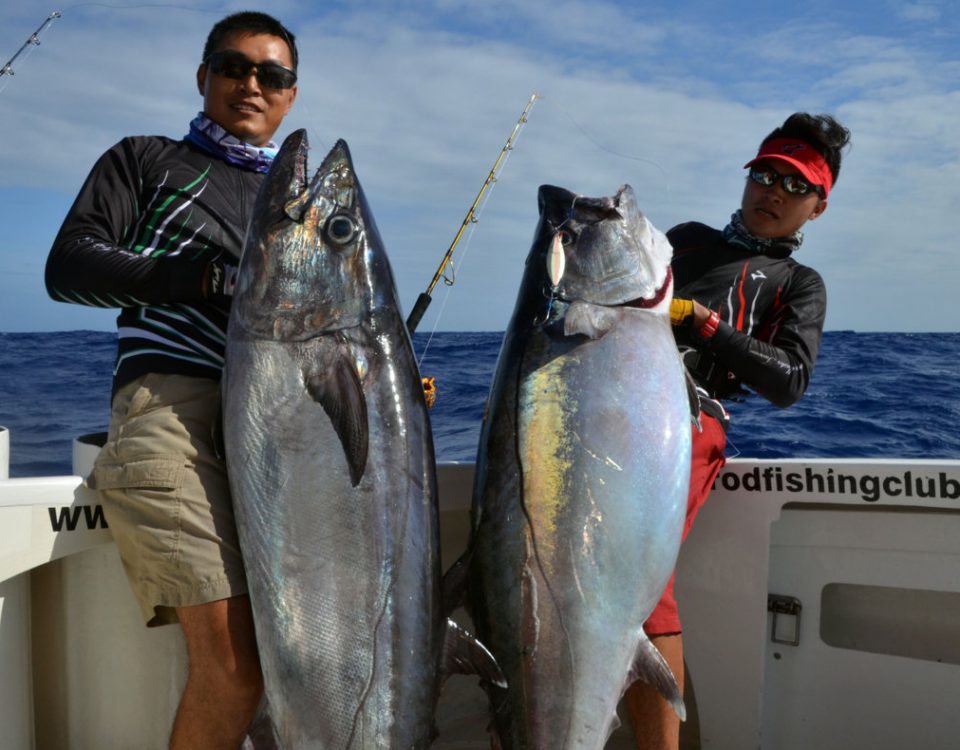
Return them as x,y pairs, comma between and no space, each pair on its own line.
464,654
650,666
340,394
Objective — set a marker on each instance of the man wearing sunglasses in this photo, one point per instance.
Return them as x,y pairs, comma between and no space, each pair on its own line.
157,230
745,313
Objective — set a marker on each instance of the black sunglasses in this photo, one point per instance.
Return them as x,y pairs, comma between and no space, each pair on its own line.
792,183
238,66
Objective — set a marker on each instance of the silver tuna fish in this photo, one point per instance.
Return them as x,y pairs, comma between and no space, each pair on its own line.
582,476
332,470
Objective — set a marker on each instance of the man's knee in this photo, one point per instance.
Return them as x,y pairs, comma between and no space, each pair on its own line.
221,645
238,672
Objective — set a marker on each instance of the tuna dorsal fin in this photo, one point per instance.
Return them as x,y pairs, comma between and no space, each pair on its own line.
464,654
339,392
649,666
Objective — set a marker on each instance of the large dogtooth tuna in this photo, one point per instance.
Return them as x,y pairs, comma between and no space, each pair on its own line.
582,475
332,471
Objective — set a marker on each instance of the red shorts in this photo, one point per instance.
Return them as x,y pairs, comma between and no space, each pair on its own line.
706,461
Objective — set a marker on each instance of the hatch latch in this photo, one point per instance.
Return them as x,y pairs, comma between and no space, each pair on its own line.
781,607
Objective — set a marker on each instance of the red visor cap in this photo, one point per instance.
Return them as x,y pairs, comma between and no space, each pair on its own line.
801,155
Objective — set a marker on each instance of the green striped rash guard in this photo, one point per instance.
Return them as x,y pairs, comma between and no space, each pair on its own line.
151,220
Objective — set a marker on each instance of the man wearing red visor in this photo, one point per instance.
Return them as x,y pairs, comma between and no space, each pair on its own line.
745,313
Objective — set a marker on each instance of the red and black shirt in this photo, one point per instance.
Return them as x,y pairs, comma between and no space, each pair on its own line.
771,308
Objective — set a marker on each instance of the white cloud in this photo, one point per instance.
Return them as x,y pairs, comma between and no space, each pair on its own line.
919,11
427,93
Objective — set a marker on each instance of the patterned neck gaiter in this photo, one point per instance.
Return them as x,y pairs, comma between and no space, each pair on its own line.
213,139
737,234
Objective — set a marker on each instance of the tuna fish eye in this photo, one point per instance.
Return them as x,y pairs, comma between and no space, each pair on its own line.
341,229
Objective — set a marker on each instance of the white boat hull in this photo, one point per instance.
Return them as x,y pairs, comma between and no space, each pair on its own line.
872,554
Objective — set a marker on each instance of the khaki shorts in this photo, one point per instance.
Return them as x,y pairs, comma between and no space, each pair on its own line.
166,498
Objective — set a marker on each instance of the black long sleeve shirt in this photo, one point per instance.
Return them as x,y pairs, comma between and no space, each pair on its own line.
148,221
771,308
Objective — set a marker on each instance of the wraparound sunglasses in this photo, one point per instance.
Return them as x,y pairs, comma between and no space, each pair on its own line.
236,65
791,183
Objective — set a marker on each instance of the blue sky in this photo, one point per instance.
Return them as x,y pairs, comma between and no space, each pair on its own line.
670,97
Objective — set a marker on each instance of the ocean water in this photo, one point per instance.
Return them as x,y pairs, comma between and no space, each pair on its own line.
872,395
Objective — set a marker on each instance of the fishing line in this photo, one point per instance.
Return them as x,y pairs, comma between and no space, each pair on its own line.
600,146
173,6
28,46
425,298
27,49
642,159
733,446
9,73
454,267
312,130
472,219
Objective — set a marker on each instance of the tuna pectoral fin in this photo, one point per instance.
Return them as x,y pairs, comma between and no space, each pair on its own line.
464,654
584,319
650,667
339,392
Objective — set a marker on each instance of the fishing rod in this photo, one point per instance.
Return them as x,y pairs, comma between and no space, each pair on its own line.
424,300
34,38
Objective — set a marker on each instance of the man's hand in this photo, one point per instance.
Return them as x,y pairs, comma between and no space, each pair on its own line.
429,390
680,311
690,312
